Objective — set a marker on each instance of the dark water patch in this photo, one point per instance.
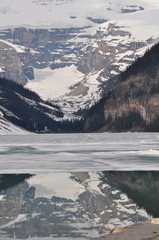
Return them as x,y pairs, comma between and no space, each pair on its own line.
17,149
22,150
140,186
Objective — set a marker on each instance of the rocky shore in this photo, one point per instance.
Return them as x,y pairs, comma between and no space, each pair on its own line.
139,231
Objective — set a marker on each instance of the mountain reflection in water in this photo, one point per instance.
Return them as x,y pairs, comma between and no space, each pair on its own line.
76,205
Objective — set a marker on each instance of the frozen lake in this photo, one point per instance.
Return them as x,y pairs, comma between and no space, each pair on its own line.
79,152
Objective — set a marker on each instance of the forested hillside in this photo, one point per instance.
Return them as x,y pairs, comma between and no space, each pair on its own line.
133,103
26,109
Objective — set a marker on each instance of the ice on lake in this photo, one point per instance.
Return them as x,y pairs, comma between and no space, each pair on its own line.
37,153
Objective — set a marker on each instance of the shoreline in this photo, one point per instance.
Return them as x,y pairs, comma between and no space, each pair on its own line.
140,231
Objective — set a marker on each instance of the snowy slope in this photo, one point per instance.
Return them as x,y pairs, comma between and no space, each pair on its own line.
19,49
54,13
7,128
69,87
52,84
142,25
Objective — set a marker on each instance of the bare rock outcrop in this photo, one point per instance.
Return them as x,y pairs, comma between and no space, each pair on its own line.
11,67
140,231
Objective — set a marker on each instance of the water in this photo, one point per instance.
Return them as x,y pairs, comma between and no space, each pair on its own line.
79,205
71,194
79,152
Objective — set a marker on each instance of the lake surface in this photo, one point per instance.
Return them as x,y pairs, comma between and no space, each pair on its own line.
79,152
78,205
70,186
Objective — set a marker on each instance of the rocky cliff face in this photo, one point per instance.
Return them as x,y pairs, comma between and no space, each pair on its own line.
10,64
54,48
113,49
133,103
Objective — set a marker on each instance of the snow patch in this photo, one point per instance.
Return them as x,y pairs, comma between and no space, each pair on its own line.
51,84
59,13
18,48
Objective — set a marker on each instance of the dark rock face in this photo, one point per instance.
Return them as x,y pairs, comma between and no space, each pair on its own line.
97,20
29,72
131,8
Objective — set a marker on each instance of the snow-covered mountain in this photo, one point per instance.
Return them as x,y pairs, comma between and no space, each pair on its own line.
69,48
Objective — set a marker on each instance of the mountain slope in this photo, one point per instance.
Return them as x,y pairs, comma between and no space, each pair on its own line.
7,128
116,44
26,109
133,104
